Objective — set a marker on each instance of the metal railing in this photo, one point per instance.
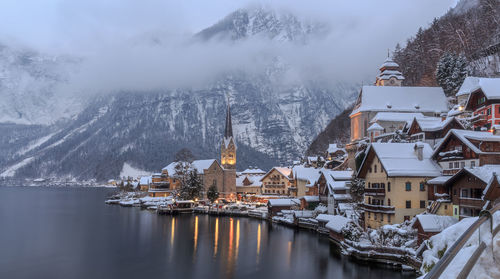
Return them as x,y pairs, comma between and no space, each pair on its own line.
450,254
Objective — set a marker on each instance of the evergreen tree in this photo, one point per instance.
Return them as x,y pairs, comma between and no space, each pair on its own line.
212,193
451,72
193,187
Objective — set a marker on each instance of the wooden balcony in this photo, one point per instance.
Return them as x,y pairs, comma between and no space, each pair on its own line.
471,202
378,208
275,186
375,192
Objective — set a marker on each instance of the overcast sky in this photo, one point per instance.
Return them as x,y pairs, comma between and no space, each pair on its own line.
103,29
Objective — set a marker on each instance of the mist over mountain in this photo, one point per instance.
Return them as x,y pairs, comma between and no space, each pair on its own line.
277,109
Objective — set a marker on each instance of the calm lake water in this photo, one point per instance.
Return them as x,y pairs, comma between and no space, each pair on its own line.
71,233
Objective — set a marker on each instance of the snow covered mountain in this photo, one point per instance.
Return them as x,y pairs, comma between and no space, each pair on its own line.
274,121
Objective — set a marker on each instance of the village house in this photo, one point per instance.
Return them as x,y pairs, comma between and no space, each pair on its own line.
333,188
305,177
395,177
334,151
144,182
277,205
279,181
162,184
469,84
248,185
389,96
468,189
431,129
428,225
391,122
484,102
336,225
463,148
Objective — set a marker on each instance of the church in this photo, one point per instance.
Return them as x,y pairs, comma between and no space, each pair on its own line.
392,104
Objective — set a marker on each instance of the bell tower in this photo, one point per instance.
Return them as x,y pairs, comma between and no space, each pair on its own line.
228,146
390,74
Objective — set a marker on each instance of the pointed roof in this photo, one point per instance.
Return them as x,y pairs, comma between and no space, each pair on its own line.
228,132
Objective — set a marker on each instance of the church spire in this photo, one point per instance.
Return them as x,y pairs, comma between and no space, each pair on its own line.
228,132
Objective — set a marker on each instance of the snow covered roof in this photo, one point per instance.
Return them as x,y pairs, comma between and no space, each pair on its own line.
199,165
253,171
342,197
340,175
400,159
145,180
430,124
282,170
311,175
339,185
375,127
283,202
401,99
439,180
485,172
332,148
468,85
435,223
489,86
310,198
337,223
396,116
255,180
325,217
388,63
465,136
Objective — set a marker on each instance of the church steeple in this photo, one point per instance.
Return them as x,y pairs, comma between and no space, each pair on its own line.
390,74
228,146
228,132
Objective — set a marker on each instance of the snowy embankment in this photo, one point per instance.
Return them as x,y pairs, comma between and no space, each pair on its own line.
488,265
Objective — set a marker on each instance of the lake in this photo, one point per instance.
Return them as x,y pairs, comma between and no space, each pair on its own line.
71,233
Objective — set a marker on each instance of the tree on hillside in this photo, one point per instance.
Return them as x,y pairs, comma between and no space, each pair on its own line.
193,188
451,72
212,193
184,155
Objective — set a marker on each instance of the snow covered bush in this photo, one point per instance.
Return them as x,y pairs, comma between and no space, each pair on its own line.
352,232
398,235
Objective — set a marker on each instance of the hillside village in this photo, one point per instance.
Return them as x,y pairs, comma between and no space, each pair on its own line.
417,163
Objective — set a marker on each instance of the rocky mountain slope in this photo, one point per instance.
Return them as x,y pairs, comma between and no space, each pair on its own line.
273,120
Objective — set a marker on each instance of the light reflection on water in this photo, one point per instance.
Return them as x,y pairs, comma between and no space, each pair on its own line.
52,232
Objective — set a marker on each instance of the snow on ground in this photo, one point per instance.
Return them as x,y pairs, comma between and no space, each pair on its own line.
486,267
11,171
35,144
128,170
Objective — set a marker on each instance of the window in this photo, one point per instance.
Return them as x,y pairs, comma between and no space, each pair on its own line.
408,186
369,200
454,192
389,218
389,202
422,186
456,211
381,217
472,164
382,185
375,169
450,165
457,165
388,186
488,112
369,170
422,204
445,207
408,204
462,164
369,185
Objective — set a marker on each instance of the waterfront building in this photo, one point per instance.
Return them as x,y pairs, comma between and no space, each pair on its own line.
279,181
248,185
333,187
428,225
228,159
395,177
144,182
304,178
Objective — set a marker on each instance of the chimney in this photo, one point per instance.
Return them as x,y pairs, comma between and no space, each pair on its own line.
419,150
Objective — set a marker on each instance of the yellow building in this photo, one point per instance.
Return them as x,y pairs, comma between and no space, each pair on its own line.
396,176
279,181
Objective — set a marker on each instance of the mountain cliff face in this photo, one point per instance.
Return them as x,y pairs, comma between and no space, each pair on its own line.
273,120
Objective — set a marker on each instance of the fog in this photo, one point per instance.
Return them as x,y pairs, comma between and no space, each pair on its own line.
148,45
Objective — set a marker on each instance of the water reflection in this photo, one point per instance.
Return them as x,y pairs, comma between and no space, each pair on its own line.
216,236
259,232
77,234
